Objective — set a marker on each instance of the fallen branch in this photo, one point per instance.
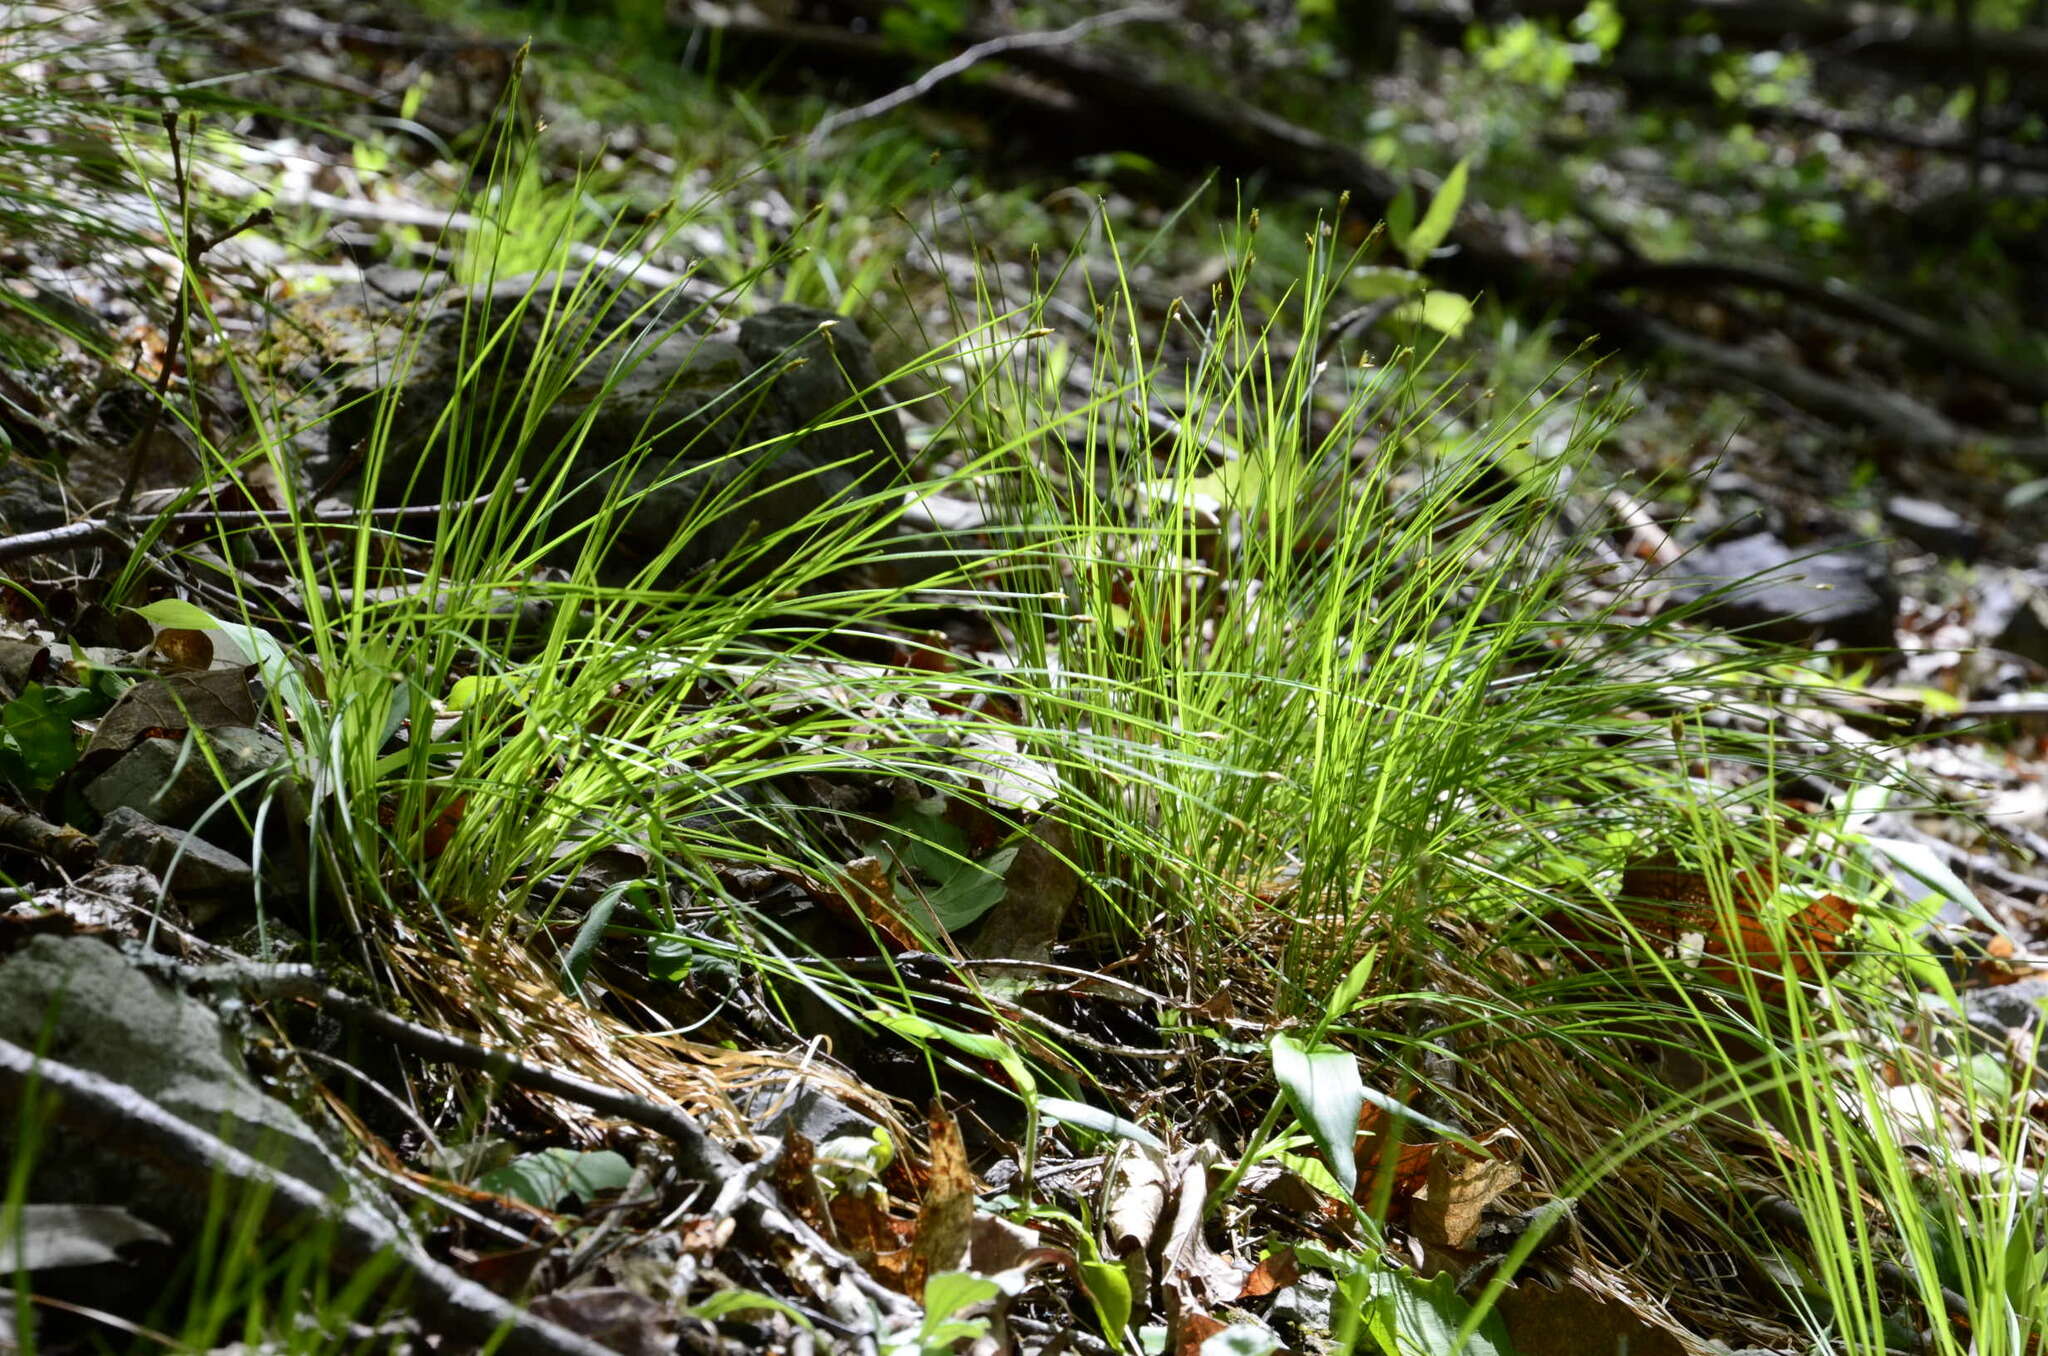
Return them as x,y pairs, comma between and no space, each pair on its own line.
198,1164
30,832
1890,413
698,1154
974,56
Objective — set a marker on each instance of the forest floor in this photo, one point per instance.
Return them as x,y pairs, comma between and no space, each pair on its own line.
649,706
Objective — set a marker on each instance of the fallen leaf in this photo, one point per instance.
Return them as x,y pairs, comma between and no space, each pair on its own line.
1275,1271
1676,908
1459,1188
1411,1157
1187,1262
173,704
1038,891
187,651
1137,1201
1574,1321
945,1218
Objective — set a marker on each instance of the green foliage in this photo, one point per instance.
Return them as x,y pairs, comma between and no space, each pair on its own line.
552,1176
1323,1089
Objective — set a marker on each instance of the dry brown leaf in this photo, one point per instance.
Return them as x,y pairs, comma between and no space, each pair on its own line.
1411,1157
868,902
1275,1271
1137,1202
1187,1262
1460,1187
1039,890
945,1218
185,650
796,1180
173,704
1675,908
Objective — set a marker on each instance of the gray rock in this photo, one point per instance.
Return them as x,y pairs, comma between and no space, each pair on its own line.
195,869
721,435
805,1105
2008,1007
79,1002
1843,593
162,781
30,500
2023,631
1935,527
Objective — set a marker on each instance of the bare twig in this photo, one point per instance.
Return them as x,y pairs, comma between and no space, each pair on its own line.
980,52
115,526
196,1163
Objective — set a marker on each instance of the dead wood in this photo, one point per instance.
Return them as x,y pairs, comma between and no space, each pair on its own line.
1101,102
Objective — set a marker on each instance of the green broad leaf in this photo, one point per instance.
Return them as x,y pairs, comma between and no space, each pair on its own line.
1437,221
971,1043
971,890
1361,1319
669,959
1355,980
176,613
1377,283
583,950
1323,1089
1313,1171
1108,1288
955,889
1429,1318
552,1176
277,666
946,1294
1401,218
1447,313
1926,880
38,735
1094,1118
